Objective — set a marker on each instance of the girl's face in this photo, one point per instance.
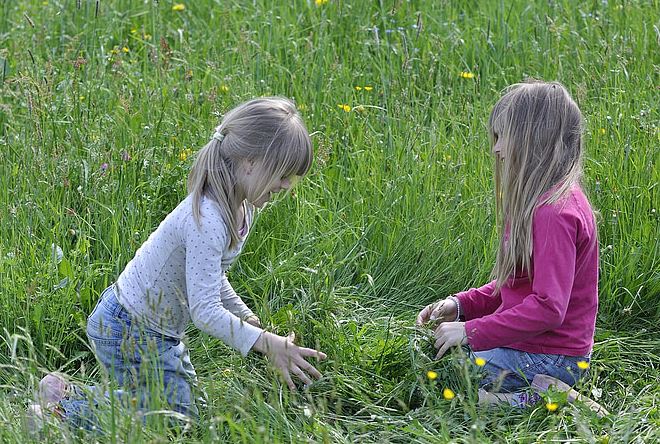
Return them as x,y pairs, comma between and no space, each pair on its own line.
251,184
498,148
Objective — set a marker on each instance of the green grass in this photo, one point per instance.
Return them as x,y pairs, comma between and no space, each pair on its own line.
397,211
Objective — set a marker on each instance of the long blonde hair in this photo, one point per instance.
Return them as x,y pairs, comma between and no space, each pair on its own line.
541,130
267,130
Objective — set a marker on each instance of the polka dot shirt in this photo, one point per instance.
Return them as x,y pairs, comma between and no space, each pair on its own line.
178,275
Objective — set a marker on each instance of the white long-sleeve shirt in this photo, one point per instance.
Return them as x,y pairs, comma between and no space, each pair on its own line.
178,275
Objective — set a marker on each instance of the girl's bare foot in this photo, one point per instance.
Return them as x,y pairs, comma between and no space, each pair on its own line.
52,389
541,383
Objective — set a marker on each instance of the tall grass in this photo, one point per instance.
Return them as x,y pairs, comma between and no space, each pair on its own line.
102,100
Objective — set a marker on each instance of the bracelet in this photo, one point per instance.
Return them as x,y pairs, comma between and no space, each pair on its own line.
458,307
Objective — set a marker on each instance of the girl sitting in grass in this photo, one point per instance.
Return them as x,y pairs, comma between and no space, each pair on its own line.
178,274
537,317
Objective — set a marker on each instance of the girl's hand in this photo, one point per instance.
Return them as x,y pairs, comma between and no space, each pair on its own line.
253,320
449,334
289,358
441,311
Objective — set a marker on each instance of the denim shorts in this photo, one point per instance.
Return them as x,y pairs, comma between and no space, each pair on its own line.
151,370
509,370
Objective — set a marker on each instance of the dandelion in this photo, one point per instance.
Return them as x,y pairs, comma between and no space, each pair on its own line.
583,365
551,406
183,155
178,7
431,375
448,394
302,107
466,75
480,362
344,107
320,2
358,88
126,49
82,98
603,131
368,88
146,36
133,30
224,89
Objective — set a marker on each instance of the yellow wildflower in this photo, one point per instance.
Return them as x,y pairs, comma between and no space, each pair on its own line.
178,7
368,88
358,88
551,406
466,75
146,36
302,107
345,107
583,365
82,98
448,394
183,155
320,2
431,375
126,49
480,362
224,89
602,131
133,30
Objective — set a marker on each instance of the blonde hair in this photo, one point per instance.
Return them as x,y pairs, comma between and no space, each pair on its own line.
541,130
268,130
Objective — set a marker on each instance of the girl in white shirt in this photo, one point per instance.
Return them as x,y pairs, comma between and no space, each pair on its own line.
178,275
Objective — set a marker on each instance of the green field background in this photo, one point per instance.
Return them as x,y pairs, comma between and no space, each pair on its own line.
104,104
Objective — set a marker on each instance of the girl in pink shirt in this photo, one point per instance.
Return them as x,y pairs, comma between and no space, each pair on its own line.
538,314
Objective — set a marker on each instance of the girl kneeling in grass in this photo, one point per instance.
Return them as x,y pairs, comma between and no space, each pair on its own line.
537,317
178,274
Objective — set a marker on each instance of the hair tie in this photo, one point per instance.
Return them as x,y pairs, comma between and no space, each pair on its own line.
218,136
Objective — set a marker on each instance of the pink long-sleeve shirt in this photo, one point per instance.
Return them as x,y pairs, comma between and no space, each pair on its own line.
556,312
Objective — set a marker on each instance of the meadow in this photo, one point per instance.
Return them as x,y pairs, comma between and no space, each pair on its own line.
103,105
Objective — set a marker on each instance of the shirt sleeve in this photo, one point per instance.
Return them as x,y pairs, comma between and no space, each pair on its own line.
478,302
233,302
553,263
205,244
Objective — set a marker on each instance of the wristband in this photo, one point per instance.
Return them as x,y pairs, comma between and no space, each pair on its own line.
458,307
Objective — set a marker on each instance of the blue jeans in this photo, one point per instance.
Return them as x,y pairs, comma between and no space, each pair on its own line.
509,370
147,366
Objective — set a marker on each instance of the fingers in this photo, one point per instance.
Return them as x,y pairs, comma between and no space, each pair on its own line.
288,380
438,311
309,368
301,375
311,353
442,350
291,337
423,315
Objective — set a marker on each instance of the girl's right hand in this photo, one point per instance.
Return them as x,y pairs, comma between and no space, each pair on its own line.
289,358
441,311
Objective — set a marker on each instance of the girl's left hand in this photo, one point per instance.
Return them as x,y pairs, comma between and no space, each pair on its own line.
449,334
253,320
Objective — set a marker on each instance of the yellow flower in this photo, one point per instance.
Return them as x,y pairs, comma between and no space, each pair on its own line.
178,7
431,375
224,89
551,406
133,30
183,155
302,107
82,98
448,394
583,365
320,2
480,362
146,36
358,88
466,75
344,107
368,88
126,49
602,131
